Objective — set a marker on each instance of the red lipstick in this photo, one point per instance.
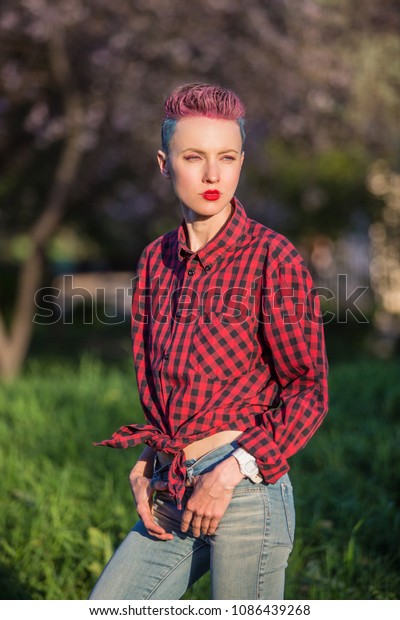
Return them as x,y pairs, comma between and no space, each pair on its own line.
211,194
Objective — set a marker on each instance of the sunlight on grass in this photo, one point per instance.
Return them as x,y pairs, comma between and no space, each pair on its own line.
65,504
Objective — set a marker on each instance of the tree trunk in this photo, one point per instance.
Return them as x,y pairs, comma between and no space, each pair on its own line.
14,342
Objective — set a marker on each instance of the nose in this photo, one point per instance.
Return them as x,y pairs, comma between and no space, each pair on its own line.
211,173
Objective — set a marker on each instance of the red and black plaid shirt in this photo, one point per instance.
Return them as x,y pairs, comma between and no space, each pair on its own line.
228,337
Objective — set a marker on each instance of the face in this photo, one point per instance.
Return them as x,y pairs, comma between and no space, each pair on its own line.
204,163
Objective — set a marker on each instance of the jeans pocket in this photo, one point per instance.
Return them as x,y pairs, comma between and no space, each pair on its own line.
207,462
160,472
288,504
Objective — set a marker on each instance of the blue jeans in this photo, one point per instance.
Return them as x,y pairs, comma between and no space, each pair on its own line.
247,555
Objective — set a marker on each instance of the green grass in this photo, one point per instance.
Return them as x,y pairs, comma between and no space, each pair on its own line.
65,504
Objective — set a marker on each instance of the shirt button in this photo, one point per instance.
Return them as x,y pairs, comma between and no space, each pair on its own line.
191,272
178,313
166,356
207,267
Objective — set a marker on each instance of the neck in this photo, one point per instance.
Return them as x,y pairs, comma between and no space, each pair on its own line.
202,229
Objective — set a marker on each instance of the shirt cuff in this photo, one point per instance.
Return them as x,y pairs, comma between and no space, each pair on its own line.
258,443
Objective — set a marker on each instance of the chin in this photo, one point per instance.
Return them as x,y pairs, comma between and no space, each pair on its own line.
206,209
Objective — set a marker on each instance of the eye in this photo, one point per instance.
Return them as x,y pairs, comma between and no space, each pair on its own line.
229,158
192,157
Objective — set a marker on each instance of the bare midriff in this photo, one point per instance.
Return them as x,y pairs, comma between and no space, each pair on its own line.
199,448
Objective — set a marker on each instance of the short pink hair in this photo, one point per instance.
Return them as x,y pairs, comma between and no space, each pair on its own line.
198,99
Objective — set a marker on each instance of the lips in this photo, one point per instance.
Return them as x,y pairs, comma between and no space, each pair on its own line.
211,194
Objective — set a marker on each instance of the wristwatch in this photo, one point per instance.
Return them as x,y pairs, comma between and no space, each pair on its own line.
247,465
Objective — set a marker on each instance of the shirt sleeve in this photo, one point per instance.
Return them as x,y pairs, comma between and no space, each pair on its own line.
141,324
291,326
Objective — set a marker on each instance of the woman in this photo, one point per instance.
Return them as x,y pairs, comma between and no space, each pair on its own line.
231,369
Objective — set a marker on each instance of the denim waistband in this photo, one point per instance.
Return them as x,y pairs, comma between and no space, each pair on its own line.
194,467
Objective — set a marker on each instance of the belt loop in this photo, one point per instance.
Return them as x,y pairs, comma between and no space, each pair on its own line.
189,477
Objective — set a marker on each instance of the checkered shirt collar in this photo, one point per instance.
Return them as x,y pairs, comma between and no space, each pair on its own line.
230,234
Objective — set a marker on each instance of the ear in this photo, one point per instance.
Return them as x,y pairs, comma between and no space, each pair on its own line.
241,159
162,159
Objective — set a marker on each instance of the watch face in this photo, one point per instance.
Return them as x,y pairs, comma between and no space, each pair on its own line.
247,464
250,469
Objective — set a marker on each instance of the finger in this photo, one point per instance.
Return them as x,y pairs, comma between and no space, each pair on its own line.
212,527
186,519
205,525
165,536
156,530
148,521
196,526
160,485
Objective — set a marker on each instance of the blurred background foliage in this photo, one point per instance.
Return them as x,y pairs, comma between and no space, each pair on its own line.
82,84
81,93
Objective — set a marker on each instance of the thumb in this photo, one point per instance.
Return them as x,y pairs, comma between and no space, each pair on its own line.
160,485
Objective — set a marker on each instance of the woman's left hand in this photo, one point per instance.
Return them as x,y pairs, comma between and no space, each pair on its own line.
211,497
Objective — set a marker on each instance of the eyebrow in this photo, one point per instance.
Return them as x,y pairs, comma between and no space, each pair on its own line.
204,153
